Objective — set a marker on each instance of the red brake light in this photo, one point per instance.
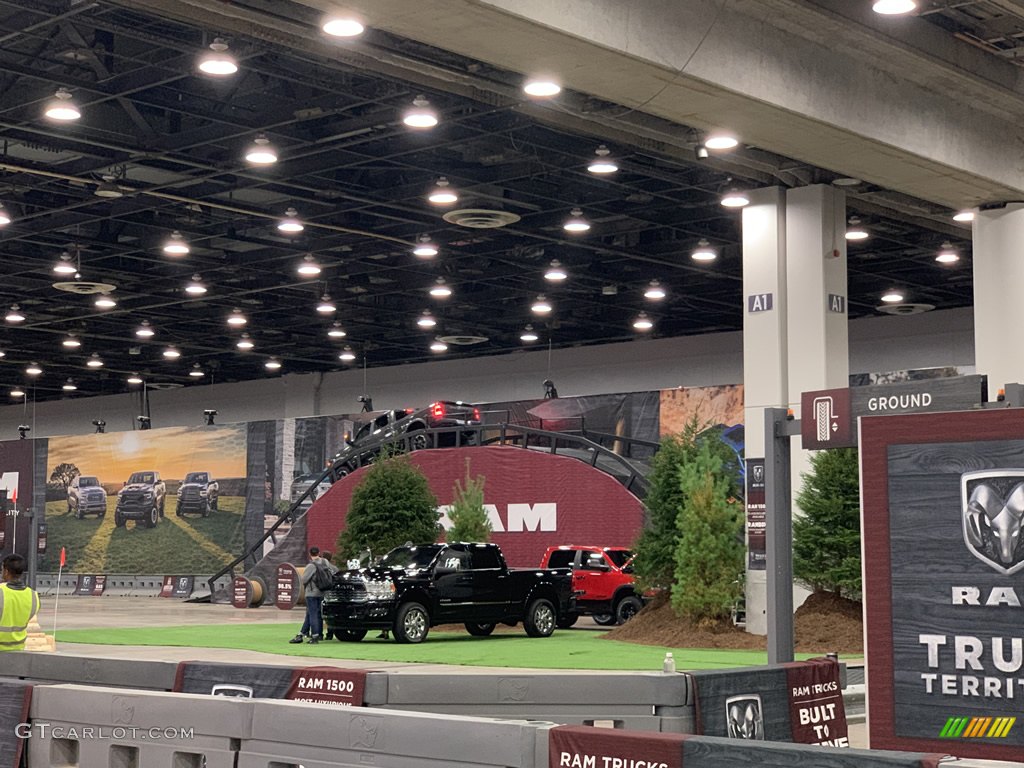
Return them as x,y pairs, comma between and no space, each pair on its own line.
476,414
437,410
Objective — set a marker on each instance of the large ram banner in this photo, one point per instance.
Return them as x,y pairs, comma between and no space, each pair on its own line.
943,515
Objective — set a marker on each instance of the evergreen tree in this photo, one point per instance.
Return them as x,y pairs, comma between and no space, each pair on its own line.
826,539
393,504
709,552
469,518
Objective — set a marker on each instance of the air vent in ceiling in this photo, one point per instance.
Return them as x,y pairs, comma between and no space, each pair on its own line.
84,287
480,218
905,309
464,341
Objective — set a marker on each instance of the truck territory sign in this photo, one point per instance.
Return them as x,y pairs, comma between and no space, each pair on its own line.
943,524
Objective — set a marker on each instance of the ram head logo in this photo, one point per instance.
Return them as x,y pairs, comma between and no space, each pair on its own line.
744,718
993,517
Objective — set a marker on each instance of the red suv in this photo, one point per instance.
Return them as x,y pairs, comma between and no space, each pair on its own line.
602,578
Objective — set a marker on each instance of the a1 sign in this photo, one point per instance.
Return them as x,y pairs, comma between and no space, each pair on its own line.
837,303
759,302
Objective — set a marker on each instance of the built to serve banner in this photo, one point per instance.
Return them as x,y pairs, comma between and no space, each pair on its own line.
943,514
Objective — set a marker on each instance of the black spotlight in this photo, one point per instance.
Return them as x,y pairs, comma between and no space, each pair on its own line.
367,402
209,413
549,390
23,430
101,426
144,422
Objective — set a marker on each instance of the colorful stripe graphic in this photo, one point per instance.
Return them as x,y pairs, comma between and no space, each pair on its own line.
977,727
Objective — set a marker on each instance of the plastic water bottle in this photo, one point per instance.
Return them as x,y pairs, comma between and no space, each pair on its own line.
669,665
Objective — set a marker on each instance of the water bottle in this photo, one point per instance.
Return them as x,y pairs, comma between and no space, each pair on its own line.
669,665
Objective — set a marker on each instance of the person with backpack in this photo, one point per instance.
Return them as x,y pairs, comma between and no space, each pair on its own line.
317,578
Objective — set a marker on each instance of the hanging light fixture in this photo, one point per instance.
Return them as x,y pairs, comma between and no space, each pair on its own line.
65,264
94,360
541,88
69,385
425,248
734,198
438,346
347,355
603,163
290,224
175,245
855,232
963,216
528,335
336,331
443,193
541,305
17,392
440,289
172,353
218,62
236,318
308,266
261,151
104,302
197,371
704,251
14,315
576,223
555,272
273,364
326,306
643,322
134,379
108,188
420,115
33,369
892,297
721,142
947,254
2,353
342,26
5,218
426,320
245,343
894,7
654,291
62,107
196,287
71,342
145,330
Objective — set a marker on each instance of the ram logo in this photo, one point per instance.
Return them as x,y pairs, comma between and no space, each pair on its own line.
744,718
993,517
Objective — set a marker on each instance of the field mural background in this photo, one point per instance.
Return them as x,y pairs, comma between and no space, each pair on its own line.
189,544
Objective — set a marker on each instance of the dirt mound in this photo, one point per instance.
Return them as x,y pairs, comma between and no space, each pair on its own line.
828,622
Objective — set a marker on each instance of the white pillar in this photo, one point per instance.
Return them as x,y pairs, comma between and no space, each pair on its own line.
764,344
998,286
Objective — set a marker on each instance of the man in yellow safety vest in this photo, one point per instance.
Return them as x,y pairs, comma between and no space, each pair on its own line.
18,604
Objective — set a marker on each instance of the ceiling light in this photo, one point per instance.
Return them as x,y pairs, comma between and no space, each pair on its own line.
440,289
62,107
336,331
175,245
33,369
273,364
104,302
894,7
963,216
5,218
326,306
438,346
892,297
643,322
134,379
947,254
245,343
426,320
735,199
556,272
576,222
108,189
654,291
721,141
14,315
218,62
94,360
17,392
425,248
342,26
603,162
528,334
541,88
308,267
443,194
197,371
290,224
421,115
855,231
261,151
704,251
541,305
236,317
2,353
145,330
65,265
172,353
71,342
347,355
69,386
196,287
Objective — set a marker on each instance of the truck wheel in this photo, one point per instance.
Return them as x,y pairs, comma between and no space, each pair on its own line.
163,502
78,514
479,630
540,618
604,619
627,608
206,509
349,635
177,511
102,513
564,622
118,520
154,517
412,623
213,504
418,441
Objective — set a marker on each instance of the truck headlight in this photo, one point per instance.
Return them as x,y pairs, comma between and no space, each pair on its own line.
202,492
380,590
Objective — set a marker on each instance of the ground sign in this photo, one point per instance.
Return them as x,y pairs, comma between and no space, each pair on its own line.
943,517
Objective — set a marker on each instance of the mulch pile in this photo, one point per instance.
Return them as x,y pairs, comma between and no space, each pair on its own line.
823,623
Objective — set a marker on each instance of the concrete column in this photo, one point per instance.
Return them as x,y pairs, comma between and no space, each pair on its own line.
764,344
998,283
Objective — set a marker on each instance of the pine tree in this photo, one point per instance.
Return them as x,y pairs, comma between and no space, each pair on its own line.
709,552
469,518
393,504
826,539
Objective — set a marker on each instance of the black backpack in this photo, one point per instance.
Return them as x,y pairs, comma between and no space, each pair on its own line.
322,579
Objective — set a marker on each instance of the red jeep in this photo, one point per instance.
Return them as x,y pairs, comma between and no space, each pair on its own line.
602,578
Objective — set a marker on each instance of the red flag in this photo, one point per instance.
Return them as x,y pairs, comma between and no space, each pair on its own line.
63,557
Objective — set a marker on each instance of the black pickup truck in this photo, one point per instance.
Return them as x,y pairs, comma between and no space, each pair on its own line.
415,588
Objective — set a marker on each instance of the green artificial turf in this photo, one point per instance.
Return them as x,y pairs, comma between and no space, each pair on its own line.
566,649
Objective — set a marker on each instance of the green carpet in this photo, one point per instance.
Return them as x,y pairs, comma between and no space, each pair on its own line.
566,649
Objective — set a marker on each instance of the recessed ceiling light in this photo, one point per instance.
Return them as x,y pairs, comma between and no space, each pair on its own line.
894,7
420,115
5,218
69,385
892,297
721,141
308,266
172,353
62,107
16,392
735,199
846,181
555,272
326,306
347,355
443,193
603,163
425,248
65,265
440,289
245,343
541,88
33,369
218,62
290,224
14,315
175,245
947,254
71,342
2,353
197,371
963,216
104,302
426,320
145,330
855,231
654,291
134,379
438,346
576,223
261,151
541,305
94,361
196,287
528,335
643,322
336,331
342,26
273,364
236,317
704,251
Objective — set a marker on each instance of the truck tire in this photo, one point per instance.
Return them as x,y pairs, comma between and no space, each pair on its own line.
564,622
540,618
153,517
417,440
213,504
479,630
412,623
163,502
206,509
349,635
118,520
604,619
78,514
627,608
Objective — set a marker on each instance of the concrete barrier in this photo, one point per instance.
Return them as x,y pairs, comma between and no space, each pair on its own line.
86,670
147,586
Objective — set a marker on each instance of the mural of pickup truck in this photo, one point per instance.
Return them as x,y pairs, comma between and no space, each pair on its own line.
197,494
86,496
141,499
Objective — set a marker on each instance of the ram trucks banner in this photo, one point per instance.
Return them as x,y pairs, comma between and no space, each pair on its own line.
943,514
